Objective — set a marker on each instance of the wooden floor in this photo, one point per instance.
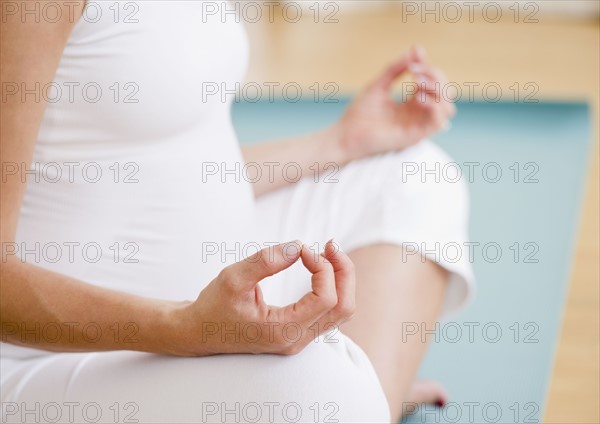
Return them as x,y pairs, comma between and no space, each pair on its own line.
560,56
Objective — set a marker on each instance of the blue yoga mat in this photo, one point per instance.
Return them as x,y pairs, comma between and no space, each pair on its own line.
525,165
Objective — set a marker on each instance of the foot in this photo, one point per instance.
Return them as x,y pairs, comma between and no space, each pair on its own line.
427,391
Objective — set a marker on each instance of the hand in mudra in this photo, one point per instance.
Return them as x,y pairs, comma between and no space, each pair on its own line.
231,316
375,123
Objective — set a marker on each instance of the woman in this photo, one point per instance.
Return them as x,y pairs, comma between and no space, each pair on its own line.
112,225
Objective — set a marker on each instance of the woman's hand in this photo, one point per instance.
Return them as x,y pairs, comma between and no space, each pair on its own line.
230,315
374,123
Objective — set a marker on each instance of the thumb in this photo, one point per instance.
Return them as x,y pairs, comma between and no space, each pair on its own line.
264,263
392,72
414,55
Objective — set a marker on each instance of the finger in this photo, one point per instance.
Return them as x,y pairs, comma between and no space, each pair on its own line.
446,93
438,115
323,278
417,54
439,107
431,87
428,78
430,95
433,116
323,296
427,71
425,99
435,81
264,263
345,282
444,109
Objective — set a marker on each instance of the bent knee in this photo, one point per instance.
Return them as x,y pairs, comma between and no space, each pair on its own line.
427,180
332,379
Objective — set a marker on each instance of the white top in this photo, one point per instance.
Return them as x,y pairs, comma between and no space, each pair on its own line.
149,133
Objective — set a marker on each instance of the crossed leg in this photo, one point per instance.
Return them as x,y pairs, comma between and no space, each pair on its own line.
372,209
392,290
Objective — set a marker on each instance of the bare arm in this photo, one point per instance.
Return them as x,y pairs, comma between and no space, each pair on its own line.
310,155
32,298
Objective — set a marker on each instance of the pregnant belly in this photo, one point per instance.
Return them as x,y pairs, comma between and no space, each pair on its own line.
158,222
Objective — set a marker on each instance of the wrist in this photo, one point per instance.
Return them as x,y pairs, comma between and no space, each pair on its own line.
348,141
334,138
176,332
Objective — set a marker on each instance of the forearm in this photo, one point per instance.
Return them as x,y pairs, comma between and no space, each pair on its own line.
283,162
45,310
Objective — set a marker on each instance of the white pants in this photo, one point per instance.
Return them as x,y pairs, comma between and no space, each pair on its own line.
377,200
327,381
